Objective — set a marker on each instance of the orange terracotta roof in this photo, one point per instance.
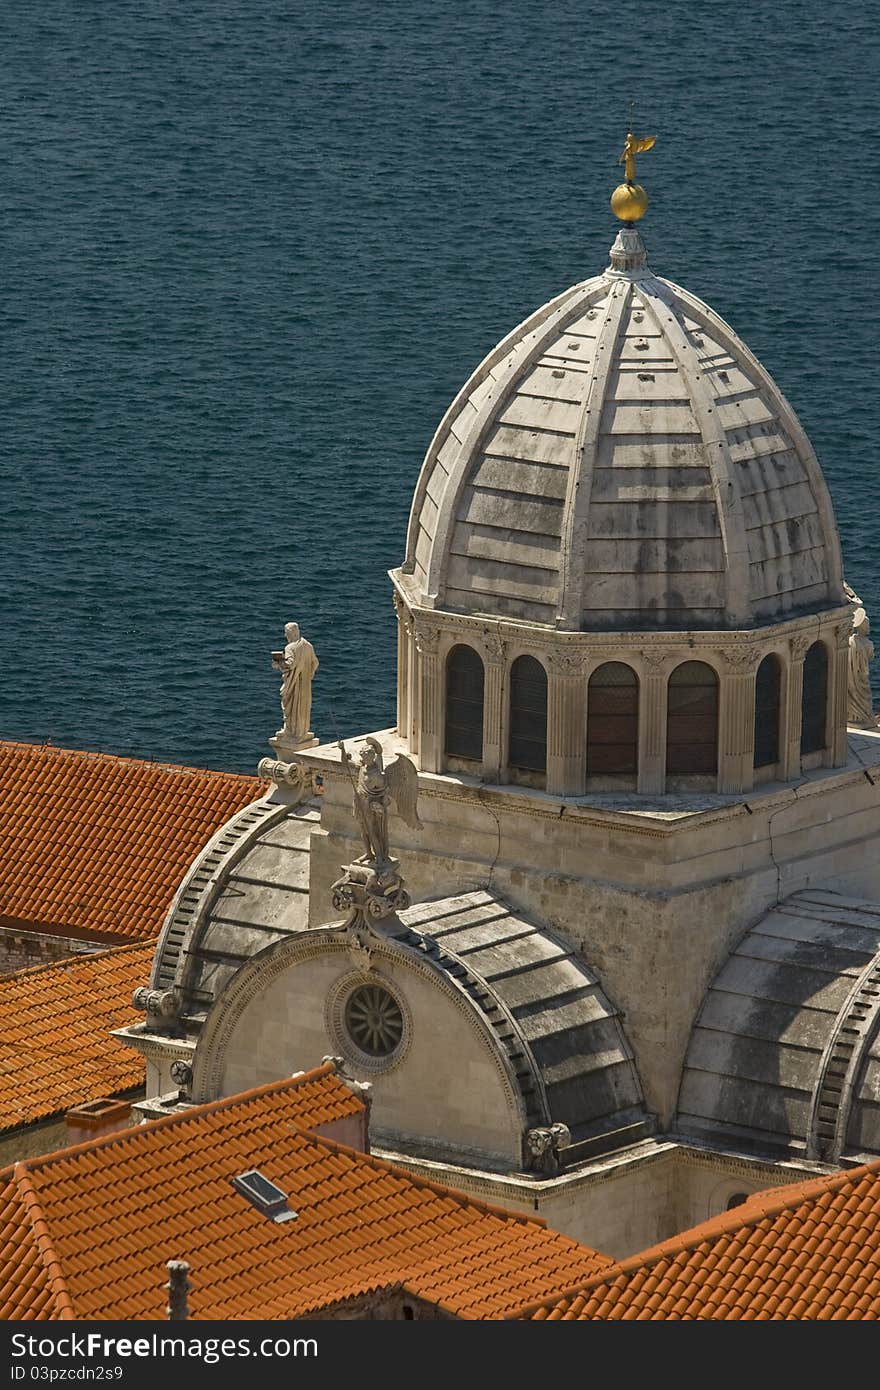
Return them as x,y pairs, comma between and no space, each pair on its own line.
801,1253
55,1048
106,1216
95,846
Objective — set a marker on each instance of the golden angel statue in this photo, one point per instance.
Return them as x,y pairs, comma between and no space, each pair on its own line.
375,787
633,146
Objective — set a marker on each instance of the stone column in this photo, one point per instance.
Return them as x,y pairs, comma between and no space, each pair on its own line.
494,650
566,724
736,734
838,694
404,632
652,723
427,641
791,751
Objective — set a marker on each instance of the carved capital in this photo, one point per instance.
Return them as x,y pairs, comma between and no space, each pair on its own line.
740,660
799,646
494,645
842,633
654,659
368,893
427,638
562,663
404,617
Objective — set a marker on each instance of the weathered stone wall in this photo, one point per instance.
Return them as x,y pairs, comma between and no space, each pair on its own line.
33,1140
653,900
19,950
445,1084
622,1204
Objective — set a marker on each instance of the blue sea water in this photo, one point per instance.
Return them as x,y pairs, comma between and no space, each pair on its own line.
251,250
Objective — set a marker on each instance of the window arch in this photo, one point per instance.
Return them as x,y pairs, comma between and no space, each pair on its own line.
767,710
528,715
814,702
613,721
465,681
692,720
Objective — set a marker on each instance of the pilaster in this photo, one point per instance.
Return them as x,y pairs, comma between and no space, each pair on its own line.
404,635
799,646
494,650
838,696
736,735
427,640
652,723
566,724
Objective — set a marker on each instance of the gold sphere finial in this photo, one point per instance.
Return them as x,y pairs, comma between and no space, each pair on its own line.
629,201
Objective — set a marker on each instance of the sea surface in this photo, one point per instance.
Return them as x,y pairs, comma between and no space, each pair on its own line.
251,250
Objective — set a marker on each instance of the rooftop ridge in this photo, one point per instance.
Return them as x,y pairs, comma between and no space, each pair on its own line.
39,1161
51,1263
385,1165
381,1165
760,1206
99,755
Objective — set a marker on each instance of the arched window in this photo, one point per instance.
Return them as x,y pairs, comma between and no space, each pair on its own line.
815,699
767,712
464,704
692,720
613,721
528,715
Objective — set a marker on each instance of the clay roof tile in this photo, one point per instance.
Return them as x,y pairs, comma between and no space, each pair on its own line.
763,1260
107,1206
56,1050
93,845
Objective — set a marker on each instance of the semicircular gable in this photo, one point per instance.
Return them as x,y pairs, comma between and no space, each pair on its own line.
503,1030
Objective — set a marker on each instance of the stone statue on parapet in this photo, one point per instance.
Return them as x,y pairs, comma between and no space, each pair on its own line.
859,702
372,885
375,787
297,664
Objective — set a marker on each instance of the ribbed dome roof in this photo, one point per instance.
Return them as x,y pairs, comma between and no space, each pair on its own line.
622,461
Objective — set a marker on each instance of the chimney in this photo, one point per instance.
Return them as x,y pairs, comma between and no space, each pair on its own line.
97,1117
178,1288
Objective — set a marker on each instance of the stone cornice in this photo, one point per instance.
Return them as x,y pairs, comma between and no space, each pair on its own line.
544,636
645,822
522,1187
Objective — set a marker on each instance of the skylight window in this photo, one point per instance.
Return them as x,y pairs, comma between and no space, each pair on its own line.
264,1195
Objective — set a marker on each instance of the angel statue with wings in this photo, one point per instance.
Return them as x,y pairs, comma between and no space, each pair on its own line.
375,787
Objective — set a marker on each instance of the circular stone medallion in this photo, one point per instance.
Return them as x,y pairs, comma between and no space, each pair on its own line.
368,1022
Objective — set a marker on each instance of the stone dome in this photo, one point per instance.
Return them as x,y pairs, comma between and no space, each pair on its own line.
622,461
